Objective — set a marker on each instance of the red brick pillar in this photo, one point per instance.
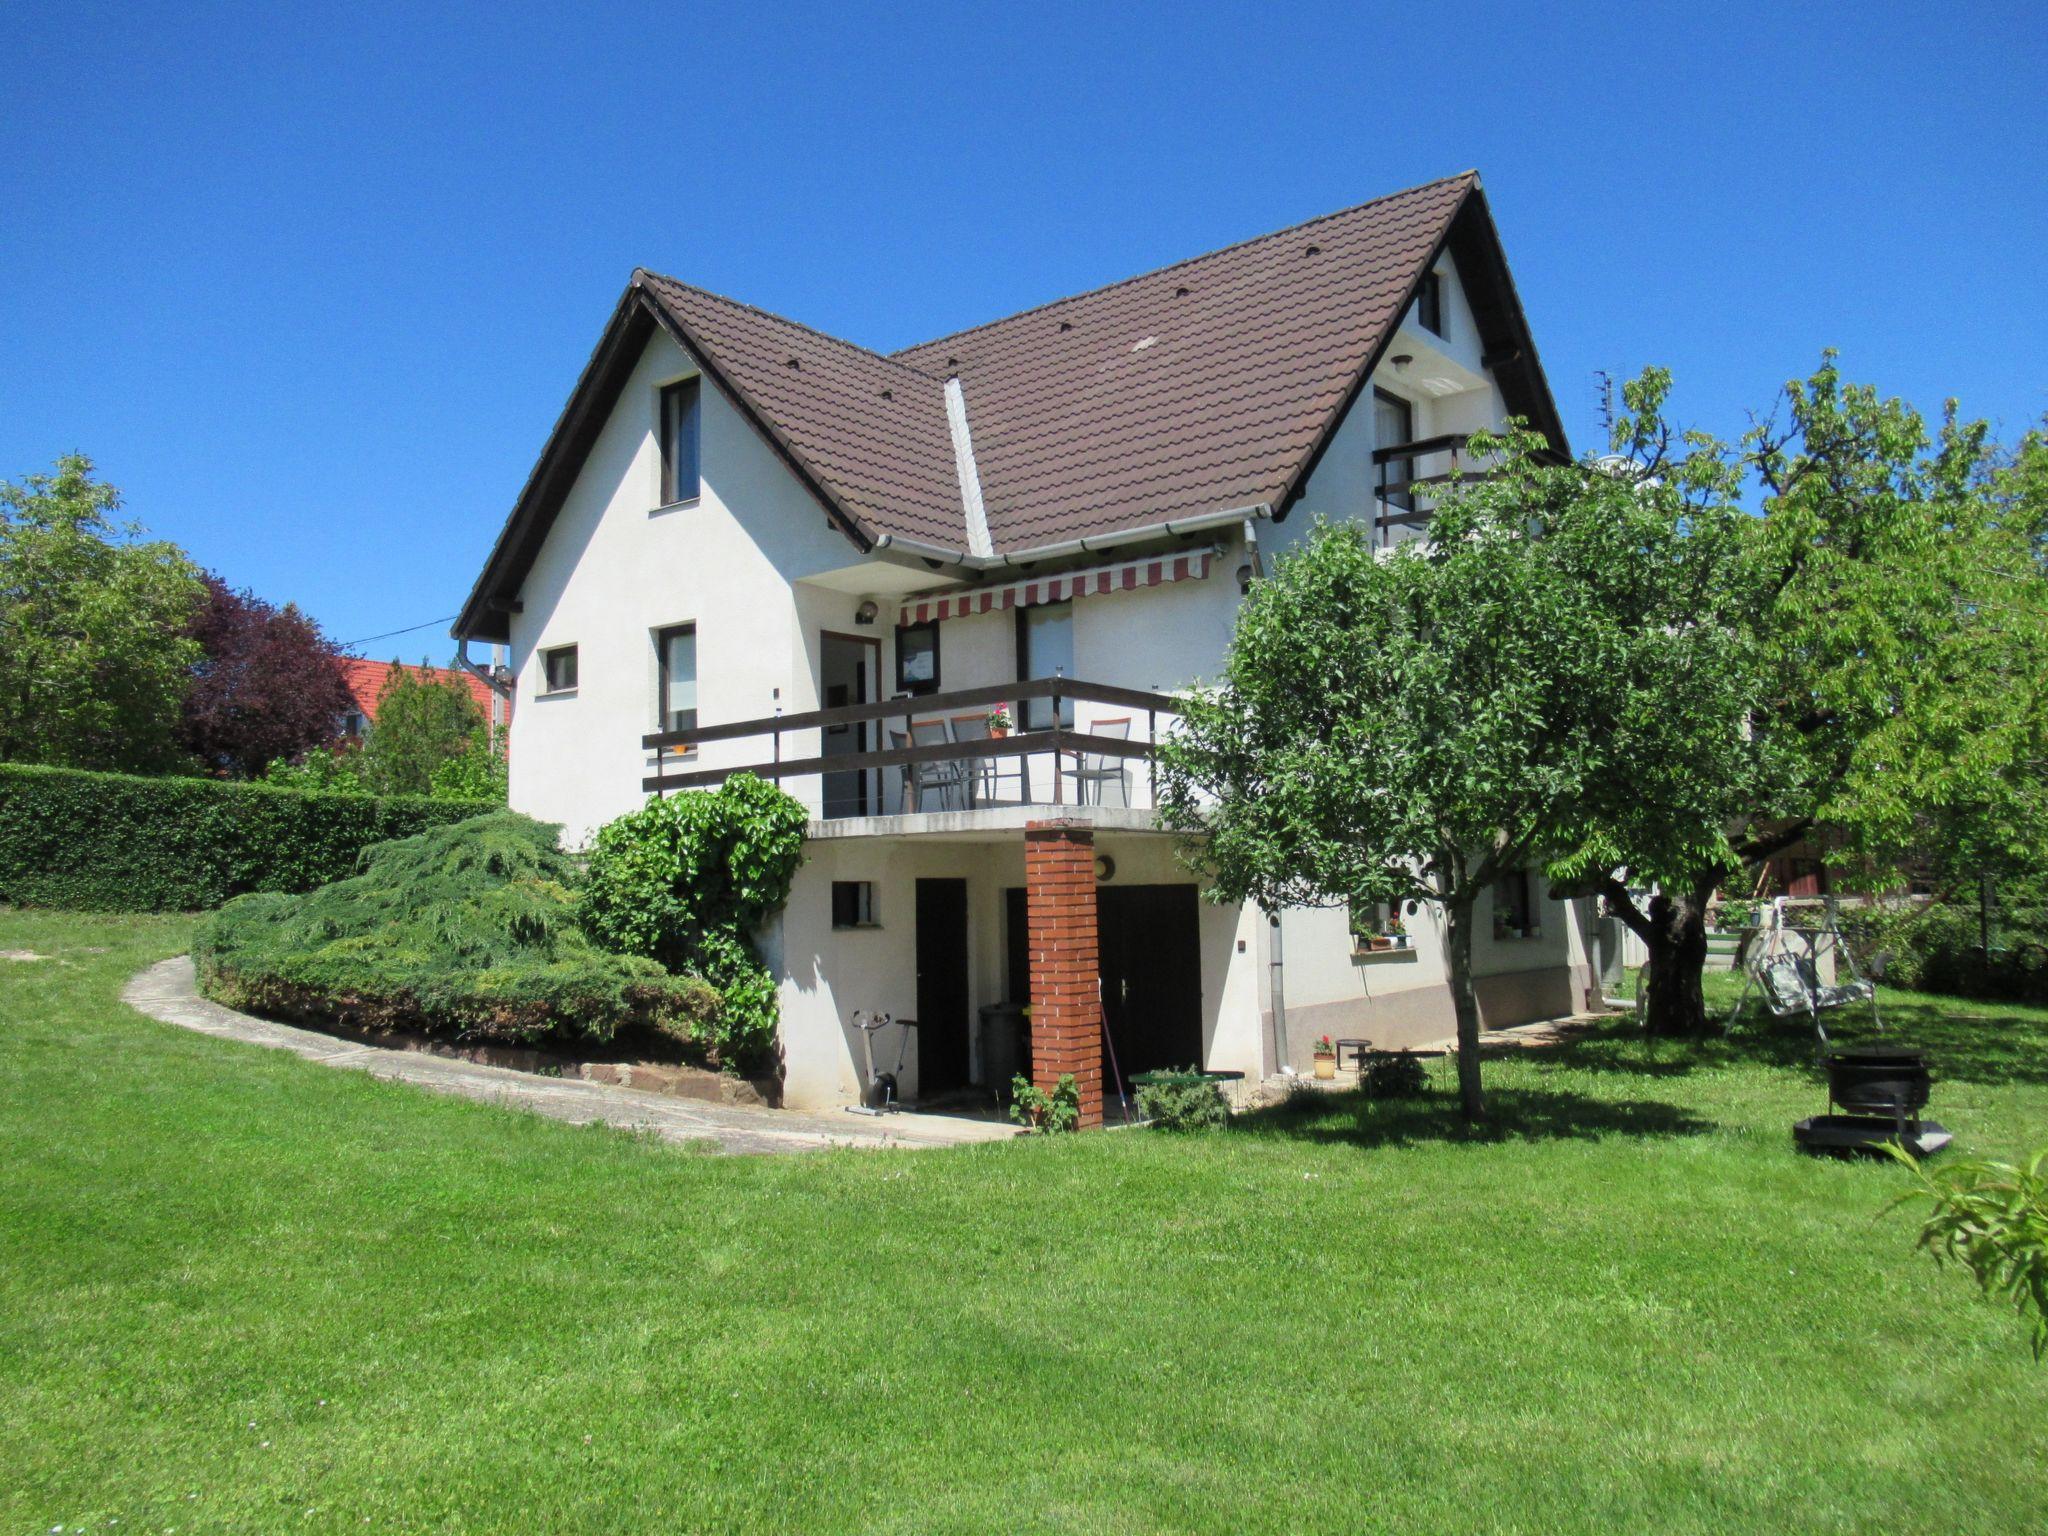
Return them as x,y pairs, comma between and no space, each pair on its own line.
1066,978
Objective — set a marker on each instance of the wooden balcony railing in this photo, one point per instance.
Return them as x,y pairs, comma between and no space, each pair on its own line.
1397,495
1059,741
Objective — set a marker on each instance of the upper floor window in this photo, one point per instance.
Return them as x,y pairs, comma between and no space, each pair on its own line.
1045,648
681,422
917,658
1393,425
558,669
675,650
1429,304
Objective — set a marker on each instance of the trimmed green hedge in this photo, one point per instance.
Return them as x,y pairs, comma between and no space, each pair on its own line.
107,842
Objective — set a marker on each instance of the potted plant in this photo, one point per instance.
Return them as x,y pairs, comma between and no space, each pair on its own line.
1326,1057
999,723
1397,935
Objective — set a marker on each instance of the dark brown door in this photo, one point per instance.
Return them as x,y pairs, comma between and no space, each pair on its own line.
1151,975
941,986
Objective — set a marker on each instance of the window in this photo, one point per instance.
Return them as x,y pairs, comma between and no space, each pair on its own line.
1514,913
681,417
1429,303
917,658
1045,648
558,669
1393,425
675,654
853,904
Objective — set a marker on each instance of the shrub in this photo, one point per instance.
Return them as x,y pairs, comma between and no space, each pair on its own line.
1939,948
1183,1101
1992,1219
1042,1113
106,842
688,880
1395,1075
466,931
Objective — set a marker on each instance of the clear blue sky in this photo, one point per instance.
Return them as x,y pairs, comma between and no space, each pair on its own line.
312,283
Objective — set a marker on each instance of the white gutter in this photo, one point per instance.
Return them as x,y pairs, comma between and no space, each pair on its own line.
978,541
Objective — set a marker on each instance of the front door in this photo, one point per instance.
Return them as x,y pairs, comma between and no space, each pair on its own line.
846,675
1150,942
941,987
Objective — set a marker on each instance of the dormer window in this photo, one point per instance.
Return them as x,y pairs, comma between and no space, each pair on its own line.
681,419
1429,303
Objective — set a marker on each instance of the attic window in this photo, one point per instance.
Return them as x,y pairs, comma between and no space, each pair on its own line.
796,362
1066,325
1181,292
1314,250
1429,303
888,394
681,420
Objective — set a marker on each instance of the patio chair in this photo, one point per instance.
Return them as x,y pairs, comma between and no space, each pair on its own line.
947,779
977,774
1092,770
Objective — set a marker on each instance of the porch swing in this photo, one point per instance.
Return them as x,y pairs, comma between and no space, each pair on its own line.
1790,983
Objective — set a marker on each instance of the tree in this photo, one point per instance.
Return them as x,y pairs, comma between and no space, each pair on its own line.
268,684
1895,654
93,649
1412,728
478,773
424,719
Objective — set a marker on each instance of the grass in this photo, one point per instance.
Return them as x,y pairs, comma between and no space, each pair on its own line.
240,1292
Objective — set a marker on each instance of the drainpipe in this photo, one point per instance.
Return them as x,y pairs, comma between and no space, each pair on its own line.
1276,970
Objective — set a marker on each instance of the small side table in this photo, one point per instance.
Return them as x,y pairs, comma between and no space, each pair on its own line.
1359,1049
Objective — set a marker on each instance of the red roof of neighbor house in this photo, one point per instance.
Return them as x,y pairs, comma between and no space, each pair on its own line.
367,680
1209,386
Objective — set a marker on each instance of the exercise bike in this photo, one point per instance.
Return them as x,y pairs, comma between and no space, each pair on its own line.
878,1093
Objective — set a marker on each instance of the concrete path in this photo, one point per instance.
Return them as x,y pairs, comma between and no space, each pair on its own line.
169,992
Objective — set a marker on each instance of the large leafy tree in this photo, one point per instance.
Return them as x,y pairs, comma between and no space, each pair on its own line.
1411,727
1895,655
424,720
268,684
94,654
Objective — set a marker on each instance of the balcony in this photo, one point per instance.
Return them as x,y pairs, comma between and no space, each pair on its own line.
1411,470
934,753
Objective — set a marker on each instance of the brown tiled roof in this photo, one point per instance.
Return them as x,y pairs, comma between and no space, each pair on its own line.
1200,387
1207,386
871,430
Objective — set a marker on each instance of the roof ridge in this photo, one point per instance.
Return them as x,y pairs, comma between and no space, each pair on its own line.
769,314
1285,229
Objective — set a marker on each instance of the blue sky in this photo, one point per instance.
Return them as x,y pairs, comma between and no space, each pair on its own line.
312,284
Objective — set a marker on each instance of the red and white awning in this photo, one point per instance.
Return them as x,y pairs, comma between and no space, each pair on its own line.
1125,576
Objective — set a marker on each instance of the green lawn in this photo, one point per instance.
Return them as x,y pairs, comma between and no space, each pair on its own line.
246,1293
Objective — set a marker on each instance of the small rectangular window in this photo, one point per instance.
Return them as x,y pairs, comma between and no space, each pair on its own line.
917,658
558,669
681,421
675,650
853,904
1514,909
1429,303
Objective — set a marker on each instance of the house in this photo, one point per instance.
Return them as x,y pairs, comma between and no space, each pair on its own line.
367,681
750,544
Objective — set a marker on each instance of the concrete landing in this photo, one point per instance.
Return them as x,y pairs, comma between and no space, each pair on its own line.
169,992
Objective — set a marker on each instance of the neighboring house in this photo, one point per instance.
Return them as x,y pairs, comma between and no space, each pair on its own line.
748,543
367,681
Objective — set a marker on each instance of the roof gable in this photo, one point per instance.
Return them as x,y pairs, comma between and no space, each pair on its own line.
1208,386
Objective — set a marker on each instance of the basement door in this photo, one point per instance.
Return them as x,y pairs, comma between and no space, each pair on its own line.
1150,938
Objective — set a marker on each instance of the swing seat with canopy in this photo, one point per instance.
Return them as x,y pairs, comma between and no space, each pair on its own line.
1783,967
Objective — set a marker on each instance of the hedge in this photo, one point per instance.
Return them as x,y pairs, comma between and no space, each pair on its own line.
109,842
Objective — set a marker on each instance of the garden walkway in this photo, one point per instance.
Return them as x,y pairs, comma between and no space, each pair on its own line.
169,992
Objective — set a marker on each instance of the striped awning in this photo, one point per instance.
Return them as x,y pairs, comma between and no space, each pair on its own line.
1125,576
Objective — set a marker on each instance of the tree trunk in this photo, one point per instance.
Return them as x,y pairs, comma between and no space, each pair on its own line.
1675,1001
1465,1005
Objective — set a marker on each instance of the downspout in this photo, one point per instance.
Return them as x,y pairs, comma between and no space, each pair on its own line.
1276,972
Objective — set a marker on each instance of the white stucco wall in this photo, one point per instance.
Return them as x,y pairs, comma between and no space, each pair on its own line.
616,567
